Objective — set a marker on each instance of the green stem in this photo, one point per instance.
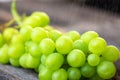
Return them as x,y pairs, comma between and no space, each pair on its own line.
15,13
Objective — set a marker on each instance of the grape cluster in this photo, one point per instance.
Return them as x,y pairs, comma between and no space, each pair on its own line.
56,55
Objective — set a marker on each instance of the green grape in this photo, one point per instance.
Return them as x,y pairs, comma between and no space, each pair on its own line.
74,35
16,39
32,62
76,58
59,74
43,58
111,53
44,19
4,58
93,59
2,41
45,74
38,34
25,32
55,34
34,50
87,70
74,73
23,60
37,19
8,34
41,67
14,62
88,36
96,77
106,69
47,46
54,61
97,45
16,50
64,44
79,44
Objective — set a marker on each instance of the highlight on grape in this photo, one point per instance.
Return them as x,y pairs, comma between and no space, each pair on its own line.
55,55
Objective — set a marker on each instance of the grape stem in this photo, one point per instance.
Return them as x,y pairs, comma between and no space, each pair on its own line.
15,13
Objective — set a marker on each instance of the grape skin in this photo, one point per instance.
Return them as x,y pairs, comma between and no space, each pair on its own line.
93,59
54,61
76,58
106,70
64,44
111,53
97,45
56,55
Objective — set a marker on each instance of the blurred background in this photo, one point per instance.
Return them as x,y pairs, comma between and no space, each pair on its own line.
102,16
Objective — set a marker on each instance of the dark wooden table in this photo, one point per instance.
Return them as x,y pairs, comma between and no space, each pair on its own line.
65,16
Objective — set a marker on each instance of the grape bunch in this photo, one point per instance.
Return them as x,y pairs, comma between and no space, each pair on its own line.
56,55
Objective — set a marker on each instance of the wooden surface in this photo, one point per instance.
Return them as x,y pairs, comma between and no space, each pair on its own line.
8,72
68,16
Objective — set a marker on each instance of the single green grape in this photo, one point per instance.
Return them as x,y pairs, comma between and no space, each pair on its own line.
25,32
38,34
47,46
97,45
4,58
74,73
64,45
55,34
32,62
106,69
8,34
87,70
34,50
45,74
76,58
44,19
74,35
54,61
81,45
16,50
14,62
59,74
111,53
93,59
88,36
